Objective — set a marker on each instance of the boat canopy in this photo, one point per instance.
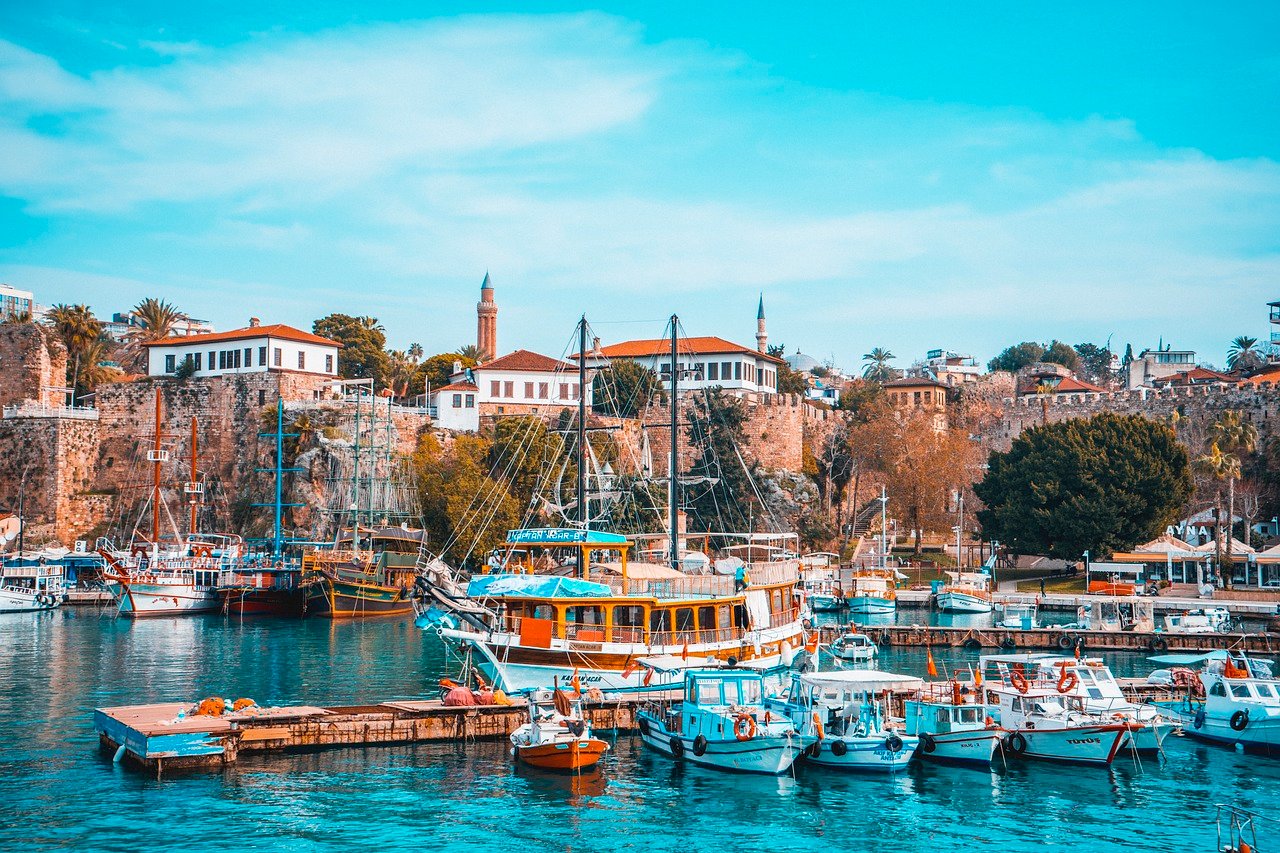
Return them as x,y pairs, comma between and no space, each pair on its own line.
1188,660
677,663
534,586
549,536
861,680
640,571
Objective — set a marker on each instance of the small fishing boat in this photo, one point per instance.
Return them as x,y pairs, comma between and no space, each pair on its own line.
846,720
965,592
1017,615
1046,725
953,724
368,572
854,648
263,589
1088,680
1210,620
873,593
1238,704
722,723
558,734
31,587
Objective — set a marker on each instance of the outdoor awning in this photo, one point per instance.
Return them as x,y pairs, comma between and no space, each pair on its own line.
862,680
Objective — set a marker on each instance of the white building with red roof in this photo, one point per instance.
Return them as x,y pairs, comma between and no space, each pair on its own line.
454,406
519,383
253,349
703,362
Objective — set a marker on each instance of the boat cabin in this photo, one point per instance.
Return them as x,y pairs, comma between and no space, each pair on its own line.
848,701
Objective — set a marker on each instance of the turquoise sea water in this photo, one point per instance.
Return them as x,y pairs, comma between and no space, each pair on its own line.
61,793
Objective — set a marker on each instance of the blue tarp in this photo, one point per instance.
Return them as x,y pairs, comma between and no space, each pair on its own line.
535,586
1188,659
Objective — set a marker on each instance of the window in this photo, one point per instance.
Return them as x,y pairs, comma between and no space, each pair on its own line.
222,359
495,388
707,618
235,358
708,692
211,358
737,370
576,391
1240,691
660,621
713,371
169,363
457,401
665,368
262,397
199,360
726,370
471,401
276,355
248,356
1217,689
262,356
509,390
302,360
684,619
916,399
328,364
543,390
564,390
528,390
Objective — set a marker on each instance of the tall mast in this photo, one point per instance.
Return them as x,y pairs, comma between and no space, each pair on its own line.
155,480
673,490
195,481
355,479
275,529
584,520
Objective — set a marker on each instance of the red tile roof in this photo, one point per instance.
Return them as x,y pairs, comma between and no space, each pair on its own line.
915,382
1270,374
706,345
457,386
523,359
276,330
1194,376
1071,385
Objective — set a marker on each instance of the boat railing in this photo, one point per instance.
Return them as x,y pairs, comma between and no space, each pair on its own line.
691,586
586,634
770,574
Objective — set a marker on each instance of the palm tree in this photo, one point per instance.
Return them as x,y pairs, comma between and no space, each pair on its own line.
18,318
1243,354
78,329
1219,466
400,371
96,366
155,320
370,323
878,369
472,352
1236,437
415,353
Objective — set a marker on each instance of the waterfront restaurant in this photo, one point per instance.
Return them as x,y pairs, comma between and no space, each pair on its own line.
1168,558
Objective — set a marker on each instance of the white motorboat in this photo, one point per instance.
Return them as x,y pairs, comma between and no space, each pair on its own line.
31,588
722,723
965,592
1017,615
953,724
854,648
873,593
1210,620
843,715
1090,681
1046,725
1240,704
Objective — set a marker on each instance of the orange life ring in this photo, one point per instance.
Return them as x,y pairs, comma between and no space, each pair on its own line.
744,728
1019,681
817,726
1067,681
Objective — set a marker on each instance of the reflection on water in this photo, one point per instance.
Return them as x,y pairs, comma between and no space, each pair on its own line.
64,794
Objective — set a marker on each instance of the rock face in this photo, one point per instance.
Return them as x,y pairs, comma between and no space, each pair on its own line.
33,365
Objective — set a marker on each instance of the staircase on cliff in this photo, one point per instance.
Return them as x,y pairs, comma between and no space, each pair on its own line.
865,517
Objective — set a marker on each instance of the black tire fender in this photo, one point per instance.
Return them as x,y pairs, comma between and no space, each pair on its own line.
1064,642
927,743
839,748
677,747
1239,721
893,743
1016,743
700,745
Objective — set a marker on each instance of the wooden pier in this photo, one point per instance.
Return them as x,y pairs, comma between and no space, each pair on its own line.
1058,639
154,738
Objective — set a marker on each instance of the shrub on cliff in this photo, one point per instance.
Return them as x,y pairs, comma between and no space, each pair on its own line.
1099,484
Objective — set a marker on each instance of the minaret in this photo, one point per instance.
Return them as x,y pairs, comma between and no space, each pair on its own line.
762,337
487,322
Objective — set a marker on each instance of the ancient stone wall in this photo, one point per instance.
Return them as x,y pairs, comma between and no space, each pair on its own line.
33,362
57,457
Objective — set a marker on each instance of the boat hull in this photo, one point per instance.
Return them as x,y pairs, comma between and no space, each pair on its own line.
971,747
766,755
960,602
568,755
870,605
340,599
140,600
23,601
264,602
822,603
1260,735
1097,745
863,753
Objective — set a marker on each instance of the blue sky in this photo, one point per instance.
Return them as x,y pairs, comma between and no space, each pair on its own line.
909,176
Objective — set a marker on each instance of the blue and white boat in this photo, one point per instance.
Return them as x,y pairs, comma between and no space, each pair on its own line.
722,723
965,592
953,724
1240,704
845,719
873,593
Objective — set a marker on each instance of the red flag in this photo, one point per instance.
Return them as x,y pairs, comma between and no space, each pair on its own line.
577,686
977,677
631,667
933,669
648,676
684,655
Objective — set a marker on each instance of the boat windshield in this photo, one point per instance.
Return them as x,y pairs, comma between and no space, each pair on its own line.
742,692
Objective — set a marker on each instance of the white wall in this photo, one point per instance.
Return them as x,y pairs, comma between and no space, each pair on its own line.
520,394
313,356
452,411
765,374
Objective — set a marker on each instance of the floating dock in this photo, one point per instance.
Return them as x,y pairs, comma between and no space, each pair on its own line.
156,739
1058,638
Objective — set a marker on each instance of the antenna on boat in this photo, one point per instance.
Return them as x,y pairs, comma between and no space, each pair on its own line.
673,488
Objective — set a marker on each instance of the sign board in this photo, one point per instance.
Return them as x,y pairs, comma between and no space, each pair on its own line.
563,536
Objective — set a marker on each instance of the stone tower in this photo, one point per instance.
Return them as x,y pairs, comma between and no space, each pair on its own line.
487,322
762,337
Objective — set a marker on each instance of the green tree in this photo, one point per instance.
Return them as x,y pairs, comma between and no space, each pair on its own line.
154,320
466,512
438,368
363,354
1099,484
1016,357
789,381
1095,362
624,389
472,353
97,366
1064,354
858,396
79,330
1243,355
401,371
720,494
877,367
